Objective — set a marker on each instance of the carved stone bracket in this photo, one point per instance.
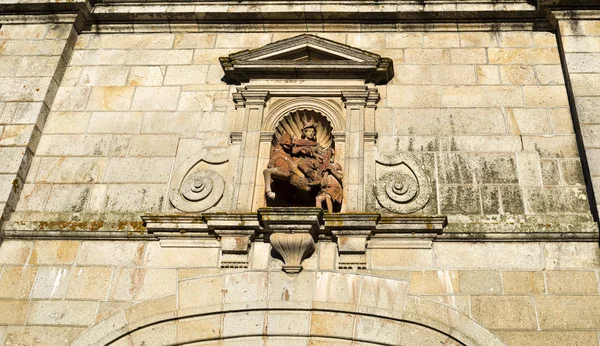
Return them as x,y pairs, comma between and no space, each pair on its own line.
351,231
292,233
236,232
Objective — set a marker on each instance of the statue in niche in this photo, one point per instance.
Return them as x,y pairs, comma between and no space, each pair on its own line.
302,170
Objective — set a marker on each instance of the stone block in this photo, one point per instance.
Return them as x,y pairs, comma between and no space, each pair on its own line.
138,314
244,323
194,40
469,168
115,122
189,329
518,256
517,74
209,56
434,282
486,282
24,32
80,313
160,57
43,336
25,89
571,256
70,169
186,74
440,40
581,44
51,283
89,283
556,200
71,98
111,98
33,197
153,145
528,121
284,288
544,39
67,122
33,47
376,329
585,84
143,283
331,324
481,96
571,172
515,39
544,338
138,170
583,62
512,199
411,74
550,173
529,169
478,39
545,96
549,74
246,287
539,56
184,124
404,40
200,292
157,256
568,312
413,96
17,282
410,259
523,282
469,56
367,40
487,74
552,147
156,99
98,57
589,133
145,76
68,198
292,323
128,41
148,198
15,251
62,145
104,76
562,121
459,199
571,282
453,74
11,158
504,312
427,56
242,40
196,101
13,311
110,253
38,66
159,334
9,65
18,135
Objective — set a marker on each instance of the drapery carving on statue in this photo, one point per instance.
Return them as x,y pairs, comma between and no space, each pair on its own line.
401,187
197,184
302,170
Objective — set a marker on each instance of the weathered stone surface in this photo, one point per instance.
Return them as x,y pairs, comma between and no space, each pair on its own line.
511,312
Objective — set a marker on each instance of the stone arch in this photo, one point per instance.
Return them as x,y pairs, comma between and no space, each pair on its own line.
329,109
312,305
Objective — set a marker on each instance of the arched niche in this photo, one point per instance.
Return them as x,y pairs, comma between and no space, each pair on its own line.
335,308
327,108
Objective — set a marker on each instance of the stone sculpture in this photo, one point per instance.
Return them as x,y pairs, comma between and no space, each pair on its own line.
306,163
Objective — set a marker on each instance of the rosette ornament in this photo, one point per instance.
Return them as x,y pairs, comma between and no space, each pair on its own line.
196,187
404,188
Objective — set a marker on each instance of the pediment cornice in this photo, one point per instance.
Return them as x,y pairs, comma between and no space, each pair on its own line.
291,58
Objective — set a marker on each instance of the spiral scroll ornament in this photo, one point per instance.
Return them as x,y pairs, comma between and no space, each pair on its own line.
196,187
402,191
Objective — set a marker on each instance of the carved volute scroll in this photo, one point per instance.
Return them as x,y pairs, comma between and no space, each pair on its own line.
196,185
404,188
302,166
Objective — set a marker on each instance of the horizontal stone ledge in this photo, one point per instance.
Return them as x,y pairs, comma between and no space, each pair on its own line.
520,237
78,235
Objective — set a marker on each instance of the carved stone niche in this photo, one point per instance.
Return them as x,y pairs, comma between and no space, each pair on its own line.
302,169
402,186
198,184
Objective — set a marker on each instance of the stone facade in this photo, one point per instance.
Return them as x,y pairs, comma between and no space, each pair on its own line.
134,136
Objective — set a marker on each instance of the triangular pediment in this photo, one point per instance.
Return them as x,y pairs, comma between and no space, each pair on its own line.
307,57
